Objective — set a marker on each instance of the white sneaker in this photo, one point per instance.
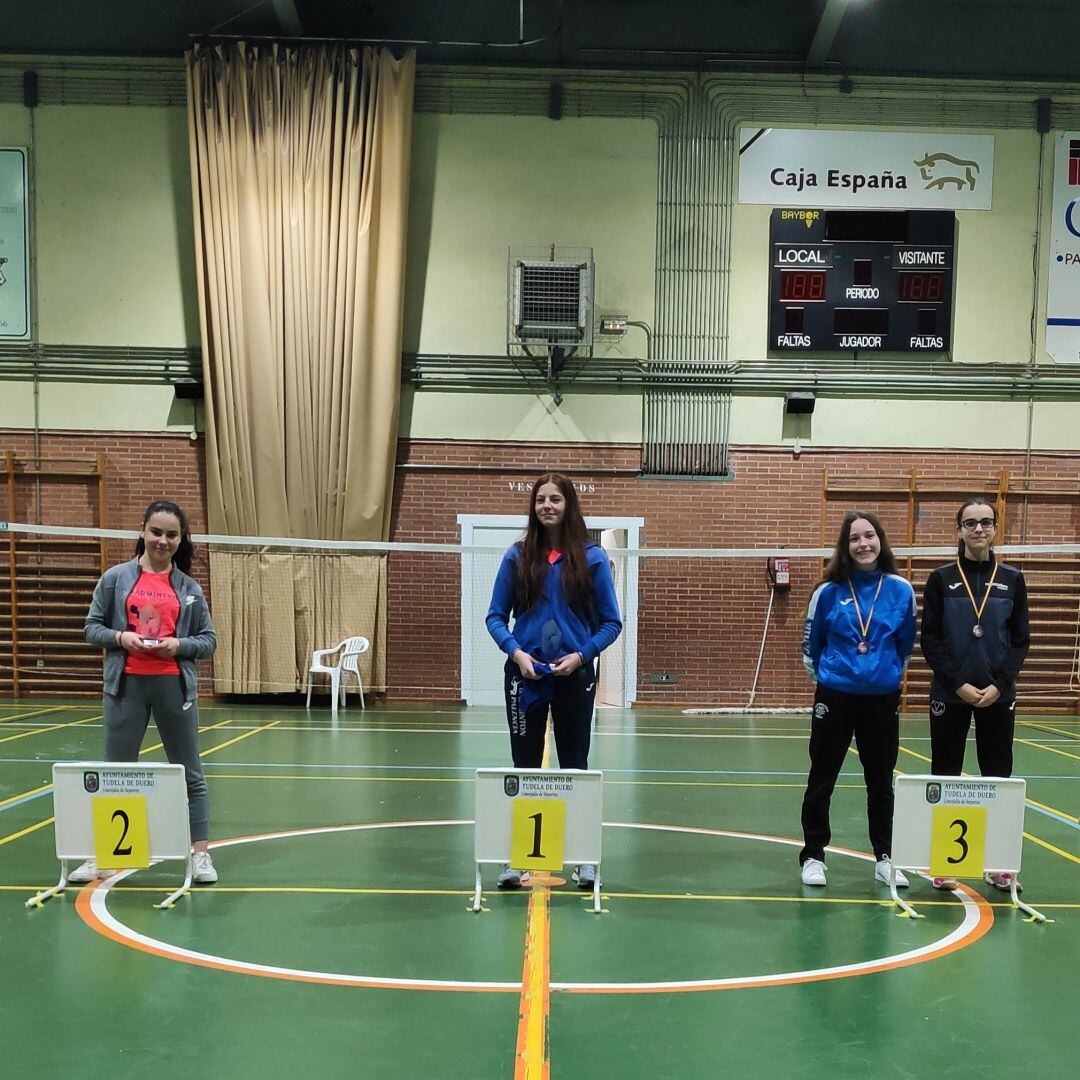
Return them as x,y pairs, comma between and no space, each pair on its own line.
881,873
585,876
813,872
1002,881
511,878
202,868
84,873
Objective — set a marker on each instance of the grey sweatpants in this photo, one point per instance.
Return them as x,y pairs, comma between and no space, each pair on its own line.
126,718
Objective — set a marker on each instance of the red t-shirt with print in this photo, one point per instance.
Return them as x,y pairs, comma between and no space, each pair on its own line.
153,609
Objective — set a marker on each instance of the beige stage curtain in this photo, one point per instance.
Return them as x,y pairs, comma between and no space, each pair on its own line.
300,178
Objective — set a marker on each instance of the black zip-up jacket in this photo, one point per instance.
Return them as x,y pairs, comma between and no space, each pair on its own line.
954,654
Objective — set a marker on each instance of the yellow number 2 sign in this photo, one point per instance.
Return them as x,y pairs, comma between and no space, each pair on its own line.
121,838
538,834
958,841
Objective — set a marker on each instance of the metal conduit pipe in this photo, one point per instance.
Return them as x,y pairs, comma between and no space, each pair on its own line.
838,377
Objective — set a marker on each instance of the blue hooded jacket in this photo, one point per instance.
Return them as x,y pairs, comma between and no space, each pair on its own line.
831,634
552,627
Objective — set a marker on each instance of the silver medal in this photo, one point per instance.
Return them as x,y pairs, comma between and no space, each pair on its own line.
976,631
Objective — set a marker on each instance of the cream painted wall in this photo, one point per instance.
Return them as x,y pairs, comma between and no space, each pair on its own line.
481,184
115,267
97,407
866,423
115,251
582,416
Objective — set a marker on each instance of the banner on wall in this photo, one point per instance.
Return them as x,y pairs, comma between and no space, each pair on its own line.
14,258
901,170
1063,280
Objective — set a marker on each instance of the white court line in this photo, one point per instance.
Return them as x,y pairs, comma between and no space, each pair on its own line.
98,897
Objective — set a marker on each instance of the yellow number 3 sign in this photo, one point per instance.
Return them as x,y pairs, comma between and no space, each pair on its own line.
538,834
958,841
121,840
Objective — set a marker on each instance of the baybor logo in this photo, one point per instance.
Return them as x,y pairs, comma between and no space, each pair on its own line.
808,217
91,781
933,793
941,169
511,785
821,710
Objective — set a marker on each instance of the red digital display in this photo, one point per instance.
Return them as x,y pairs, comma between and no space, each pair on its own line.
920,287
802,284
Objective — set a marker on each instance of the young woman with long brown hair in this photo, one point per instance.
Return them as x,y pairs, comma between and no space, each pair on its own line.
557,585
859,633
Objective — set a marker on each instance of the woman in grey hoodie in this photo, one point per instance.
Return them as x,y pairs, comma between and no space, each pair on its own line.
152,620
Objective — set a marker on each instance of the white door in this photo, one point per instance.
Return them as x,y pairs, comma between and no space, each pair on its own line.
482,662
611,687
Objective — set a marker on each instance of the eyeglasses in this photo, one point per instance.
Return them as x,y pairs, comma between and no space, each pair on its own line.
971,524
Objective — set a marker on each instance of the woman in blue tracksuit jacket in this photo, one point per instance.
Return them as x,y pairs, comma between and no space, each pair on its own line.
558,586
859,633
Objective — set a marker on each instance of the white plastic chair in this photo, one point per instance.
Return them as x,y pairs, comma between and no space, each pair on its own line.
348,663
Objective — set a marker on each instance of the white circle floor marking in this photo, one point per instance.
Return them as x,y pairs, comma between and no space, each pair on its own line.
977,917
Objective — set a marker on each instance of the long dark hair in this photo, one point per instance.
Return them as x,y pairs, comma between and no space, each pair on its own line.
185,552
532,563
841,566
975,500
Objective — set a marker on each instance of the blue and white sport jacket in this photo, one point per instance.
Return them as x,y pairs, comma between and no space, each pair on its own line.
831,634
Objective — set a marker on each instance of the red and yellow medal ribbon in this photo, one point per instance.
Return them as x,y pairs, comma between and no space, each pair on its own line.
971,596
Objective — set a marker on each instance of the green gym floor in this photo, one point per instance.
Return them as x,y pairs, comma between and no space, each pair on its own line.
350,952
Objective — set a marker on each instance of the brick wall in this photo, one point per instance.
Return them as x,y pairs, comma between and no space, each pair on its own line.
701,620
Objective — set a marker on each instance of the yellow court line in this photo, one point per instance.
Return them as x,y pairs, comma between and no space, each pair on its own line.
531,1051
51,727
24,794
26,832
1051,847
156,746
239,738
1046,727
159,745
37,712
864,901
1026,742
46,787
1054,810
304,890
470,779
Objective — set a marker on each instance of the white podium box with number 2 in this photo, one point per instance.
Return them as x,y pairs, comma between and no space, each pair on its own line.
959,827
538,819
124,816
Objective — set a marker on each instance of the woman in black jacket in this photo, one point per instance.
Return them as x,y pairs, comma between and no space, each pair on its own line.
975,638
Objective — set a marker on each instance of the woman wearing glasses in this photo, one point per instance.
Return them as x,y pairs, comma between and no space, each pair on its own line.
975,638
859,633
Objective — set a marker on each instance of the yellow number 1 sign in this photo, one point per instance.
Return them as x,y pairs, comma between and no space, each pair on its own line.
121,837
958,841
538,834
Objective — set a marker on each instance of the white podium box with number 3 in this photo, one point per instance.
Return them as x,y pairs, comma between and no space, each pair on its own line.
538,819
959,827
125,816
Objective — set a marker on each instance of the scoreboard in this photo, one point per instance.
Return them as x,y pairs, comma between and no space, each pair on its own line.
858,280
